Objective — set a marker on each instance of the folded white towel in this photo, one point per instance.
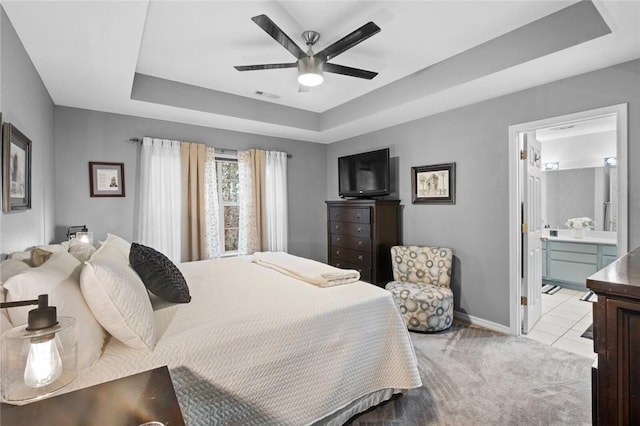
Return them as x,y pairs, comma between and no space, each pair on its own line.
307,270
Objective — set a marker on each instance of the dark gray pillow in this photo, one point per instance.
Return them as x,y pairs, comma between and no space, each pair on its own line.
159,274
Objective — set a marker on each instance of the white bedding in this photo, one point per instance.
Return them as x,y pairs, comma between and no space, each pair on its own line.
307,270
257,347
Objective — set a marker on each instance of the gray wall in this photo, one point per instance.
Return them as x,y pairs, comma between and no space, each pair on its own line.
25,103
570,193
476,138
82,136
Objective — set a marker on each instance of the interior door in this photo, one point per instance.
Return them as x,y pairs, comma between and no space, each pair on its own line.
531,231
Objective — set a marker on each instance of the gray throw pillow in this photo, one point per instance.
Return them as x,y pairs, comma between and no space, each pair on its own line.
159,274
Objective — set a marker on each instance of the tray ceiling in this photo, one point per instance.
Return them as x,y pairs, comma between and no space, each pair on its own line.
173,60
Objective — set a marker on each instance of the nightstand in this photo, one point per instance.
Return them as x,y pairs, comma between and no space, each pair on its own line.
131,400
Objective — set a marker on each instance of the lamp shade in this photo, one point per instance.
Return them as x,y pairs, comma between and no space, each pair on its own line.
310,71
85,237
36,363
72,231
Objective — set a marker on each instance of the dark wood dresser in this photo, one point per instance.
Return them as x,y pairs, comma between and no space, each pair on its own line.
360,235
616,339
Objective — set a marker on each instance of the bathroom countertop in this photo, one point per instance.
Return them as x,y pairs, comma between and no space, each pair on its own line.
585,240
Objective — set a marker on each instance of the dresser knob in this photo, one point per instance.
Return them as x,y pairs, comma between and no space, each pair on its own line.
337,251
337,264
337,226
360,257
358,216
338,239
360,243
359,229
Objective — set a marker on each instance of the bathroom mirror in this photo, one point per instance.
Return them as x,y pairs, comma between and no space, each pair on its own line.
579,177
589,191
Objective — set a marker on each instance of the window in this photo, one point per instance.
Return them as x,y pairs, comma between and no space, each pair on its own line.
228,180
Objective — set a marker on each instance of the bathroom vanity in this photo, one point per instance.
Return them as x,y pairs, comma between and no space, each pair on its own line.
569,261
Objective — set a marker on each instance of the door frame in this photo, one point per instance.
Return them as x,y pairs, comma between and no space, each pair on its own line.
515,194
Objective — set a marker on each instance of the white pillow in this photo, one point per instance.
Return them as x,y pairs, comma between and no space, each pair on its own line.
81,251
58,278
56,248
120,243
5,322
11,267
24,256
118,298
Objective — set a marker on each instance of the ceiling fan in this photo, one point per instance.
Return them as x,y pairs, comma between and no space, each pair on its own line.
311,65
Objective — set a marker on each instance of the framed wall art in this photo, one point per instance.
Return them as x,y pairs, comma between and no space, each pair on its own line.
106,179
434,184
16,169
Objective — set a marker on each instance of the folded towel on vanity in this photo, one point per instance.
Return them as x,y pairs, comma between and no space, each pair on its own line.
308,270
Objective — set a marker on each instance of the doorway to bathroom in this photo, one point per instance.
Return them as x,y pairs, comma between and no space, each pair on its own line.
536,218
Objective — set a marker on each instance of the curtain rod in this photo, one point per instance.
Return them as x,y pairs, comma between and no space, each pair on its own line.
218,150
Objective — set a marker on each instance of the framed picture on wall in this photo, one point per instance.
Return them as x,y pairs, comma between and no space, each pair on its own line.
106,179
16,169
434,184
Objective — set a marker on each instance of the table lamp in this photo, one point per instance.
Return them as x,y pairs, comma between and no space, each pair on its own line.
80,233
41,357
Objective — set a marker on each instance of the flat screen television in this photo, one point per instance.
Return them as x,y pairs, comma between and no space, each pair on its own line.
364,175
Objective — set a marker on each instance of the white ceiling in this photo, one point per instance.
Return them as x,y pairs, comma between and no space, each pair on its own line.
579,144
578,128
431,56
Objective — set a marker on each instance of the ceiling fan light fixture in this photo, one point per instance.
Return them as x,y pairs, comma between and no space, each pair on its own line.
310,72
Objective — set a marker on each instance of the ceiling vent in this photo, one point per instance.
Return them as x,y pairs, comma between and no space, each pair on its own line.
267,94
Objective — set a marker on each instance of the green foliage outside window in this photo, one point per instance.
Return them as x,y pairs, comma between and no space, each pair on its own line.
228,182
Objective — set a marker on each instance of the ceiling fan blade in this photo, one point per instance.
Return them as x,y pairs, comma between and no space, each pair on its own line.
264,66
350,40
352,72
278,35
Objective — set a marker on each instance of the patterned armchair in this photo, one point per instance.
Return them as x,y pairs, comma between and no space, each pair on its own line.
421,286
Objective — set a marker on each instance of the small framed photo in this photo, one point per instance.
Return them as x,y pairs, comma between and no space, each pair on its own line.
16,169
106,179
434,184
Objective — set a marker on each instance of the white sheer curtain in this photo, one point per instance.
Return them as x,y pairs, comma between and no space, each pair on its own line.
248,241
262,196
211,206
276,200
160,218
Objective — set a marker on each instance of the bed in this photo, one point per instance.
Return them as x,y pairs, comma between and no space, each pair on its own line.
254,346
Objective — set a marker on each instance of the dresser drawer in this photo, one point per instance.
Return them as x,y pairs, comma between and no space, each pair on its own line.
362,244
350,214
352,256
352,229
365,273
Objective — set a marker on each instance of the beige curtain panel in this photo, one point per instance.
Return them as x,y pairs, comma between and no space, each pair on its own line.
193,157
258,160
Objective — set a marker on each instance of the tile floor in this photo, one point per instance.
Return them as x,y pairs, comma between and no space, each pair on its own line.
564,318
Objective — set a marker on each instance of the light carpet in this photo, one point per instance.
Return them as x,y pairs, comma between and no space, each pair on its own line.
472,376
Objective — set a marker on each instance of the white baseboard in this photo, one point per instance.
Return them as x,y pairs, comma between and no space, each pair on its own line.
490,325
